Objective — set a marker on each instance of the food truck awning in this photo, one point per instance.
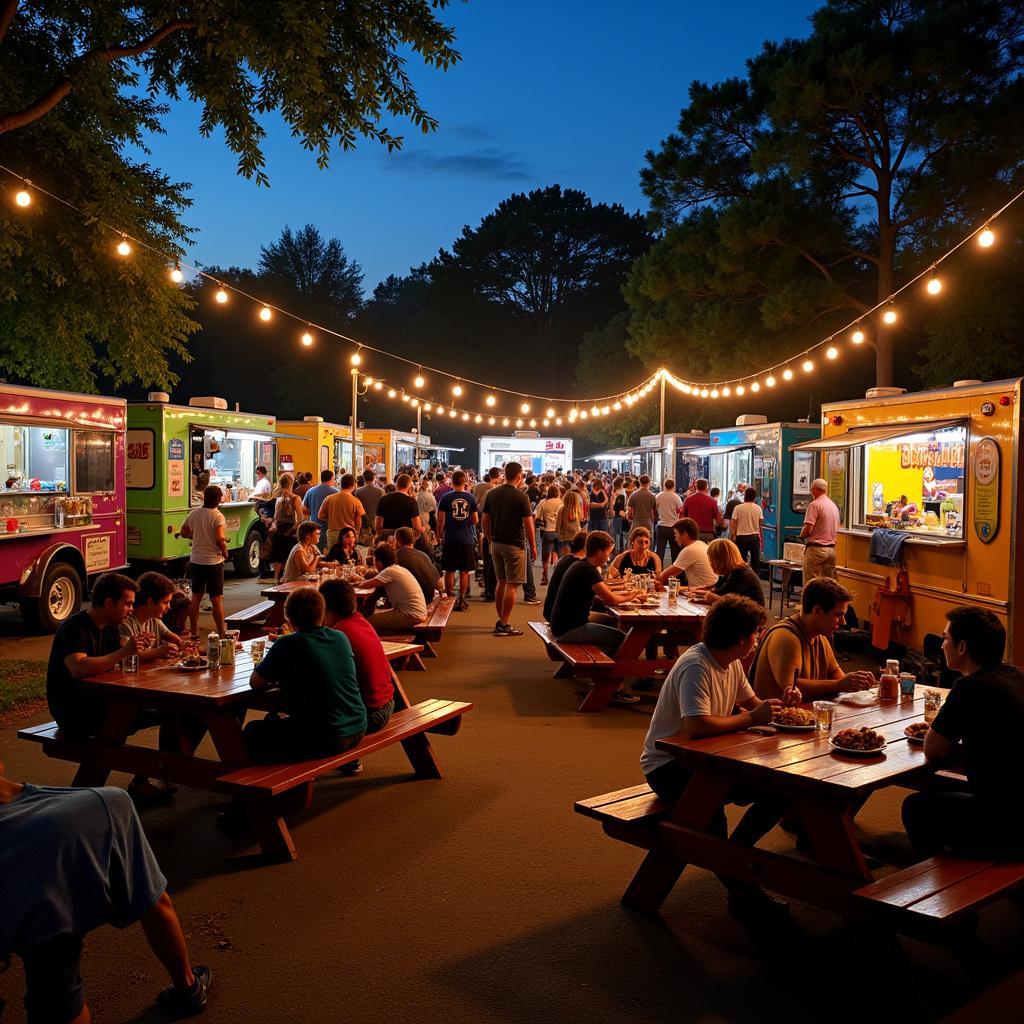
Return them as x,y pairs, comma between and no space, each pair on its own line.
716,449
439,448
620,453
882,432
247,431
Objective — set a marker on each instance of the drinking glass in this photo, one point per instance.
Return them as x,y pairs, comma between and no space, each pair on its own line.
907,683
258,650
130,664
823,712
932,703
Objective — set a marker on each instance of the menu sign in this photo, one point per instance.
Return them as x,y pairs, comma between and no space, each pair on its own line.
139,459
935,453
986,489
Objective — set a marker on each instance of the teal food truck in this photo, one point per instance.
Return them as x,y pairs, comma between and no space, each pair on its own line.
173,452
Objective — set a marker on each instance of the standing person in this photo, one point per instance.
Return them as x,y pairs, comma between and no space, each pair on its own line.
669,507
263,487
403,593
426,502
617,508
342,509
508,526
303,482
399,508
735,498
314,498
206,528
983,716
369,495
598,506
457,517
702,508
546,516
569,520
419,564
641,506
746,526
305,556
692,558
287,516
490,580
441,486
821,523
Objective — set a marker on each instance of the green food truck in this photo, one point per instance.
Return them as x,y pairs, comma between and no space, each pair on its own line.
174,451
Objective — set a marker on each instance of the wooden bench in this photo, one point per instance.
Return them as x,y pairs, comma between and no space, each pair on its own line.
431,629
250,621
626,814
581,661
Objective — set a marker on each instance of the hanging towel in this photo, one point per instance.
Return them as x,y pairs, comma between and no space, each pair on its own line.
887,546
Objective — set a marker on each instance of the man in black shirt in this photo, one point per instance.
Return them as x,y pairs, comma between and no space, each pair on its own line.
562,566
985,713
399,508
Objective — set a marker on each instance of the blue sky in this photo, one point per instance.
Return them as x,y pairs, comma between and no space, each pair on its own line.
571,92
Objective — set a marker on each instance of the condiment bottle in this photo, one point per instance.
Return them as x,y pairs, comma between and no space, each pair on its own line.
213,650
889,681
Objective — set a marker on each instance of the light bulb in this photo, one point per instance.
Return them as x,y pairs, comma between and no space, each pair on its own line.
857,337
415,403
769,381
405,397
265,314
453,414
740,389
605,410
491,400
465,415
23,197
392,393
525,407
550,413
617,406
755,387
986,238
787,374
221,296
583,414
418,382
457,390
704,392
478,418
355,359
808,365
504,422
123,248
378,386
629,399
533,423
714,392
934,285
176,275
519,423
427,407
831,352
889,316
490,421
367,381
547,422
594,411
307,338
558,421
726,392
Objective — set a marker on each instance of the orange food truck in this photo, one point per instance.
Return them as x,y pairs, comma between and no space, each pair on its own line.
936,473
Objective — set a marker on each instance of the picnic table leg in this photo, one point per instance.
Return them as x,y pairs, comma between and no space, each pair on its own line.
832,836
421,757
276,616
113,732
271,830
600,693
401,697
564,671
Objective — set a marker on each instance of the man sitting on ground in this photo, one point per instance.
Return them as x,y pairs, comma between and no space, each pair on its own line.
577,550
316,671
692,558
403,593
71,861
983,716
152,602
700,698
419,564
796,651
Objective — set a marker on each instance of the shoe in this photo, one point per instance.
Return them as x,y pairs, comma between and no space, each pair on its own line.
505,629
461,606
351,768
151,792
487,599
180,1003
533,600
749,903
624,697
543,581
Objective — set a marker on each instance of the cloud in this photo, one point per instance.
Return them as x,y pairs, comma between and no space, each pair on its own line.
472,132
486,162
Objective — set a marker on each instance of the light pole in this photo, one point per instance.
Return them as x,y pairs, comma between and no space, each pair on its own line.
661,374
355,414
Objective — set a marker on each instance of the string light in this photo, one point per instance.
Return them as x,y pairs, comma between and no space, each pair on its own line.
124,247
547,422
740,390
726,391
525,407
265,314
490,421
452,413
617,406
457,390
558,421
405,397
714,392
415,403
355,359
787,374
221,295
756,386
23,197
427,407
504,422
465,415
986,237
367,381
175,274
832,352
857,337
533,423
307,340
419,381
478,418
769,381
934,285
378,386
392,393
889,316
491,400
808,365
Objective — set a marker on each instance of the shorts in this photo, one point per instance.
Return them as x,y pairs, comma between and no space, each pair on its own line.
207,579
53,980
458,557
509,562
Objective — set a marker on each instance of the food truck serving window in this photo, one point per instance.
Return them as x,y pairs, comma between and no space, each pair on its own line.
35,458
94,461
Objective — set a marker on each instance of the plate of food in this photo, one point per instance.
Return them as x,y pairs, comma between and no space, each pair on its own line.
193,664
915,732
862,742
793,719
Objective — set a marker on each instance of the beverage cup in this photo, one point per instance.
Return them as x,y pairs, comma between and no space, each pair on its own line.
258,650
932,703
823,713
130,664
907,683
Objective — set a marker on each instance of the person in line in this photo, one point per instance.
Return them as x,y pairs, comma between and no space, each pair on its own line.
342,509
982,719
426,501
641,507
263,488
71,861
344,550
692,558
734,575
735,498
507,523
399,509
457,518
302,483
795,652
569,520
716,495
577,550
669,508
305,556
369,496
316,671
490,579
314,498
441,485
546,516
572,619
403,593
706,694
598,506
206,528
619,497
287,516
747,528
704,510
821,524
419,564
152,602
638,558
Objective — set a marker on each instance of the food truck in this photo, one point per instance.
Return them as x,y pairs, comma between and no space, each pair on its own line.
174,451
385,450
678,458
940,470
62,510
534,453
757,453
317,446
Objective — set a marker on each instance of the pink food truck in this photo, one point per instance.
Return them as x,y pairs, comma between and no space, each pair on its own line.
62,498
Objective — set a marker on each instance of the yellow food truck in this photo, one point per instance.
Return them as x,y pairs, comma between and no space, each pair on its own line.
936,474
385,450
318,446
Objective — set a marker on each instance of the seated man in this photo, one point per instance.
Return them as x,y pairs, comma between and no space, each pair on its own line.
419,564
72,860
403,593
699,698
305,556
316,671
152,601
692,558
984,713
577,550
796,651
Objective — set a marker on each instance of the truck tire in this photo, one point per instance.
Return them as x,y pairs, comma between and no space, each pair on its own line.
60,596
246,559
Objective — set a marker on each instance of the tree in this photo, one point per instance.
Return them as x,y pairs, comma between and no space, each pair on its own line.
835,160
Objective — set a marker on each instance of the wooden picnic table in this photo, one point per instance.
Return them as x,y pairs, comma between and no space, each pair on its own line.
280,591
643,623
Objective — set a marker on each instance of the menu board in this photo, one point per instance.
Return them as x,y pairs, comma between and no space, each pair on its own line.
986,489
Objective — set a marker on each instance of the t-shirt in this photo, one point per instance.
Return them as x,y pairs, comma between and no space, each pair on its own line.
561,567
785,653
342,509
575,597
696,686
507,507
422,568
295,564
693,560
72,860
748,517
985,712
426,503
669,506
373,672
458,508
77,711
703,509
132,627
203,523
262,488
480,490
742,581
314,498
644,505
397,510
369,495
317,674
598,508
546,514
403,591
441,490
823,518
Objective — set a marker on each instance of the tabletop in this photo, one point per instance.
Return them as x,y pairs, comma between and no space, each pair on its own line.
659,611
282,590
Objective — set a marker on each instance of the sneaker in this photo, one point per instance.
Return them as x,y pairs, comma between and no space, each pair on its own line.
543,581
351,768
179,1002
749,903
506,629
624,697
533,600
498,627
461,606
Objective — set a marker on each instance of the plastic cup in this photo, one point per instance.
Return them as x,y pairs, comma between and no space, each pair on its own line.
907,683
824,710
258,650
130,664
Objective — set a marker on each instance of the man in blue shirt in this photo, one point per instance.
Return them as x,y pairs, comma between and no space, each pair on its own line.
314,498
456,519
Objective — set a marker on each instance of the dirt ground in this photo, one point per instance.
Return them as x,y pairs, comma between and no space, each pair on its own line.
482,898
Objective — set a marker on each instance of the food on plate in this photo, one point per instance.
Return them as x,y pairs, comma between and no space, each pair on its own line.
916,730
858,739
193,661
792,716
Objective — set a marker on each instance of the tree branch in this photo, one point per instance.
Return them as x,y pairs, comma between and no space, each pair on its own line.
49,100
7,12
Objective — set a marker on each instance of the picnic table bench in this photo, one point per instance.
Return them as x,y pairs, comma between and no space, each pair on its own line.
250,622
432,628
583,661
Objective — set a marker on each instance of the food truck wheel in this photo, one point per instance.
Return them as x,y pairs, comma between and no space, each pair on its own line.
247,558
59,598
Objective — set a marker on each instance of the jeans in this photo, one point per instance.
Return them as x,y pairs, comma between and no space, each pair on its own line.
608,638
377,718
529,587
750,544
276,740
665,535
490,576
